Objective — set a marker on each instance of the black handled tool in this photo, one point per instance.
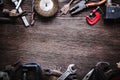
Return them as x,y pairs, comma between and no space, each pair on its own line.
6,20
27,68
1,2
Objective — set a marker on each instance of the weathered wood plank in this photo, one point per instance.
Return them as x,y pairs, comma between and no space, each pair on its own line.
60,41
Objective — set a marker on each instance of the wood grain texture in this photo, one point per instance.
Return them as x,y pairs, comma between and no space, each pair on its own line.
60,41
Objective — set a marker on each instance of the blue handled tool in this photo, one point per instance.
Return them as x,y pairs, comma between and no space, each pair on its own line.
1,2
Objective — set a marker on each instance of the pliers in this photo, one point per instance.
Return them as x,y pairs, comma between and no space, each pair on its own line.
83,4
78,7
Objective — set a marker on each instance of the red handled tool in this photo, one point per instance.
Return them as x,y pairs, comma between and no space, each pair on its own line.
94,16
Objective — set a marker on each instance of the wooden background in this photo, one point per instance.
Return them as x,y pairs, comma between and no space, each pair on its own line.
59,41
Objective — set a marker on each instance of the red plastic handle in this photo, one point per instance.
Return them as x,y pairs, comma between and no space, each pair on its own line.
95,19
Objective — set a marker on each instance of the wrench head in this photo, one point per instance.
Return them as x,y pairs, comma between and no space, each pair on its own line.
71,68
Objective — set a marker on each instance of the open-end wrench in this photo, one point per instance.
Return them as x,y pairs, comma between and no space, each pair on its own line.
20,11
69,71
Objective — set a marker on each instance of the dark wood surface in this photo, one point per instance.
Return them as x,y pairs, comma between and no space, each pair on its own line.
59,41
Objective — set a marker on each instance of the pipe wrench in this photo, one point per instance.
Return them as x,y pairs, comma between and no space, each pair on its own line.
69,71
24,19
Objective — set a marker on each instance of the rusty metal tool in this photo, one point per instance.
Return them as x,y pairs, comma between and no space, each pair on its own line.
53,78
83,4
66,8
13,13
24,19
118,64
50,72
33,13
70,70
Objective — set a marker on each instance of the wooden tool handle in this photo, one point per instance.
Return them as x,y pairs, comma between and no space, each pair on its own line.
95,3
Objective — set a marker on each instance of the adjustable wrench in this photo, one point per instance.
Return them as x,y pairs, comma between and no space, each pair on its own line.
20,11
69,71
